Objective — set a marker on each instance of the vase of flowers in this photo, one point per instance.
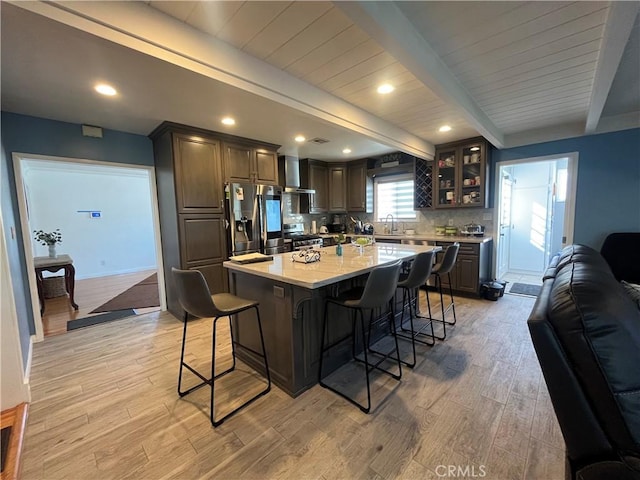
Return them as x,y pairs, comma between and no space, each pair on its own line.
49,239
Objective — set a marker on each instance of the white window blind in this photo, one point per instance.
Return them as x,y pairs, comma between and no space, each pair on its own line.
394,195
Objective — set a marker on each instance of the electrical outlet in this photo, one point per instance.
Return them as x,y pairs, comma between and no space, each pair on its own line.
451,222
487,216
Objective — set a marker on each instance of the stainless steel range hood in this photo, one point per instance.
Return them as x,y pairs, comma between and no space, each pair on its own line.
289,175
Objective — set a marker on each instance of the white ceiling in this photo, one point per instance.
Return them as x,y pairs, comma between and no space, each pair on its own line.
514,72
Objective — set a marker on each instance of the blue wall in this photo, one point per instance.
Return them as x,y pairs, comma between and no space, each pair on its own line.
26,134
608,188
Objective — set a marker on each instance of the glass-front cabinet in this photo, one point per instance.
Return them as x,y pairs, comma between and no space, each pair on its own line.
462,174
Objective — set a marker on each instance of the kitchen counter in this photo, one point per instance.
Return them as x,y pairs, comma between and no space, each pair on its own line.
432,237
331,268
291,300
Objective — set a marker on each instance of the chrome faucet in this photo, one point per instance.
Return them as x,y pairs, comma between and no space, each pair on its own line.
393,227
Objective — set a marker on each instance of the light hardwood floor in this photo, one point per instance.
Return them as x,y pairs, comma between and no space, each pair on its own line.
90,293
105,407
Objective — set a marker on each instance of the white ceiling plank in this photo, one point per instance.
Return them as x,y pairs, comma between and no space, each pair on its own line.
620,20
323,55
386,24
356,70
573,74
249,21
285,26
144,29
534,66
395,74
179,10
505,31
552,41
316,34
533,87
211,17
530,98
584,61
549,106
344,61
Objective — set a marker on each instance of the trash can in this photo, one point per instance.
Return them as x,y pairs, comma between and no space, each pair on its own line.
492,290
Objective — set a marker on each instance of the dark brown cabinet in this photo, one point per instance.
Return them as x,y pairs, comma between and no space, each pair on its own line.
359,188
471,269
248,163
337,187
315,175
191,167
462,173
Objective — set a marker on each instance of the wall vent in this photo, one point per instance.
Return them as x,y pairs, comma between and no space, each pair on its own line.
319,140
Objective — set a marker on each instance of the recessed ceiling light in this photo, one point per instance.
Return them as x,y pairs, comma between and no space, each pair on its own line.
386,88
474,149
445,128
105,89
300,139
346,150
228,121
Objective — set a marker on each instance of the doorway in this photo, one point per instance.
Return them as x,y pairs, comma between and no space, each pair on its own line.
107,214
536,204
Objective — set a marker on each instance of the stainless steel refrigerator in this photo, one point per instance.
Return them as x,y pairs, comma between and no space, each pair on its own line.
254,213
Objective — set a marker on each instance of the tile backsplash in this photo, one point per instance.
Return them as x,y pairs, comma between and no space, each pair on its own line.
426,220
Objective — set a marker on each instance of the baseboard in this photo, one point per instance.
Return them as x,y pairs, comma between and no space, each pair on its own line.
27,369
116,272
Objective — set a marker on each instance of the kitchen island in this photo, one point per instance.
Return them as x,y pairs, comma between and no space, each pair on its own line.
291,297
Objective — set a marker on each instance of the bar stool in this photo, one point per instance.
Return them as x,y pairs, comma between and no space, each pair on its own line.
378,292
418,275
445,266
196,300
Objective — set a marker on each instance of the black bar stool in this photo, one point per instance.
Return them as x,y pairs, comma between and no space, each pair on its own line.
445,266
196,300
378,292
418,275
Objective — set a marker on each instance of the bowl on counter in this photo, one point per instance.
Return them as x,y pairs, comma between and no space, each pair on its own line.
410,232
450,230
440,229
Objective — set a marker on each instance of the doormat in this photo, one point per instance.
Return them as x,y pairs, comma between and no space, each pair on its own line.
97,319
142,295
525,289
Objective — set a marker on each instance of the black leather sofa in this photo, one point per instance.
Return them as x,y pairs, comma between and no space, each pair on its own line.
586,333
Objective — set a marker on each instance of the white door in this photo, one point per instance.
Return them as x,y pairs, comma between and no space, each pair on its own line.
530,217
504,225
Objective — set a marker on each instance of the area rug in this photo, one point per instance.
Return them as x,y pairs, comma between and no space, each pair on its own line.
525,289
97,319
142,295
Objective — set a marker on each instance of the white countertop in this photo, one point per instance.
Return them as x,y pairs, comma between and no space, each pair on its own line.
435,238
331,268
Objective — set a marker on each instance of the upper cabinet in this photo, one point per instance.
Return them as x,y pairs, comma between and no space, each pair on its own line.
359,188
337,187
314,174
462,174
249,163
198,174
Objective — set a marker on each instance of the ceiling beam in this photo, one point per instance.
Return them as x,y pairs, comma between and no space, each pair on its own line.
140,27
617,29
390,28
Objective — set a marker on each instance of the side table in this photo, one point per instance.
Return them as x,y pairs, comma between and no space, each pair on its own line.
50,264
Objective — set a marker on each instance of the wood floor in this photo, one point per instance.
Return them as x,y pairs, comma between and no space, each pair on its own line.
105,407
89,294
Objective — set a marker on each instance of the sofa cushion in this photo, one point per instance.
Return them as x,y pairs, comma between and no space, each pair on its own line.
632,290
599,328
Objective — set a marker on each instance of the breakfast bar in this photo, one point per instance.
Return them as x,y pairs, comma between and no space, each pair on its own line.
291,297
